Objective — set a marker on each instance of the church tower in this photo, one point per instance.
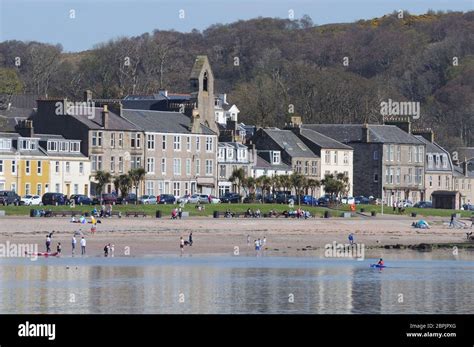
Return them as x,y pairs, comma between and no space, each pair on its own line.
202,91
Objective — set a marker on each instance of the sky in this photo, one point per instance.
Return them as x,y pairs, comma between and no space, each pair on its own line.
79,25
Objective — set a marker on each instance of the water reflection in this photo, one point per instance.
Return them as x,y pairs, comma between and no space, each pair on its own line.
234,285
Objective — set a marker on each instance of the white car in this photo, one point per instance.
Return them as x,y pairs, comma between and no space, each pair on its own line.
215,200
202,198
31,200
348,200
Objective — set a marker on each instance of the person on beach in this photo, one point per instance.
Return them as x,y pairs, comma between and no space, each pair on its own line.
248,240
351,239
264,240
394,206
181,244
73,243
256,245
451,223
381,263
83,246
58,248
48,244
180,212
190,239
112,249
106,250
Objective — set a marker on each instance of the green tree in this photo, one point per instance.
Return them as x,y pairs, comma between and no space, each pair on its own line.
313,184
10,83
237,177
335,185
137,175
103,178
298,182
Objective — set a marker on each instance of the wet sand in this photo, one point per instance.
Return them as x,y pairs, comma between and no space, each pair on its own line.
150,236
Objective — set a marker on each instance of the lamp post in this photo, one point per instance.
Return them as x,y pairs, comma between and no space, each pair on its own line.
17,167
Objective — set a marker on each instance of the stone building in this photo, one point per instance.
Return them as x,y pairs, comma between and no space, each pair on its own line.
232,156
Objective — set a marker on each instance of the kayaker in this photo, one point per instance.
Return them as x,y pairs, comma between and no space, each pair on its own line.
380,263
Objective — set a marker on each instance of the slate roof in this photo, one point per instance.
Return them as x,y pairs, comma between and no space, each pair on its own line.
466,152
289,142
162,121
347,133
322,140
115,121
10,118
263,162
433,147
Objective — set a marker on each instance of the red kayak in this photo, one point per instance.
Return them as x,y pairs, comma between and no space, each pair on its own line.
43,254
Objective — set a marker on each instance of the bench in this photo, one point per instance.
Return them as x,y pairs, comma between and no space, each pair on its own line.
135,214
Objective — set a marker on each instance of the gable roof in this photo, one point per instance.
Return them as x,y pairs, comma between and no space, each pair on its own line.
289,142
263,162
95,123
323,141
347,133
162,121
434,148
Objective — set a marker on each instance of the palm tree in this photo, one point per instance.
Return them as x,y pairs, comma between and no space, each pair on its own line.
116,182
298,181
125,183
137,175
276,184
250,183
335,185
102,178
285,182
237,177
266,185
313,184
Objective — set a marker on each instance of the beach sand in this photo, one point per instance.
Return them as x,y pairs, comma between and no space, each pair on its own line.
150,236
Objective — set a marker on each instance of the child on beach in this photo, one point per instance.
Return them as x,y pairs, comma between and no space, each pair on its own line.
181,244
73,243
58,248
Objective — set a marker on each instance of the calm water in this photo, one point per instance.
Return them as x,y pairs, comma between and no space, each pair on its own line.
220,284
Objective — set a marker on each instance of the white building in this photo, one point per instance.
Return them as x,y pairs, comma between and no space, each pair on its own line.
232,156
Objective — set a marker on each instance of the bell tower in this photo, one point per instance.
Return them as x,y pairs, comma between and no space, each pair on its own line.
202,91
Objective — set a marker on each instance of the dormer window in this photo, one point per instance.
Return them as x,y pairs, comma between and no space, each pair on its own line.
221,153
445,161
5,144
75,147
430,160
64,146
27,145
230,153
276,157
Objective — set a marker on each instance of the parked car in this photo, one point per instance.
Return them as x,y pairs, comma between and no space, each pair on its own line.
109,199
31,200
407,203
147,199
349,200
361,200
282,197
9,197
54,199
81,199
423,204
214,199
252,198
166,199
232,198
198,198
184,199
310,200
468,207
130,198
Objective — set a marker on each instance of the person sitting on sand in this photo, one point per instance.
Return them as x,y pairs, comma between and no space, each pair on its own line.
174,214
380,263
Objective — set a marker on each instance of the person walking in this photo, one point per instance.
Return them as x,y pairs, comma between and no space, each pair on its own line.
59,248
73,243
83,246
48,244
190,239
451,223
248,240
181,244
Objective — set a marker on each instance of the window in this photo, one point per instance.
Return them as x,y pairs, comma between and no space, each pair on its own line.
430,160
410,175
387,175
298,166
136,162
56,167
230,153
1,166
177,143
58,188
222,171
176,188
112,140
81,168
96,162
150,165
306,167
188,143
120,140
447,182
327,157
112,164
439,180
163,166
314,168
416,152
39,167
52,146
430,181
39,189
64,146
376,177
161,189
97,139
27,167
68,167
335,157
209,143
198,167
5,144
150,188
198,143
410,153
27,189
276,157
177,166
150,142
445,161
120,164
75,147
419,172
420,154
391,152
13,167
76,188
397,176
346,158
135,140
188,167
27,144
163,142
376,155
221,153
209,167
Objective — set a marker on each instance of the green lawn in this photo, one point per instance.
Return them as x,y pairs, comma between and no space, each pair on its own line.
209,209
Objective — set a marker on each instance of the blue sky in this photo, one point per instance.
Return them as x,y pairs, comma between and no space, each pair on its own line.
101,20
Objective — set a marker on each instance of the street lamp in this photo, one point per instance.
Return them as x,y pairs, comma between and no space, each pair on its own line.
17,167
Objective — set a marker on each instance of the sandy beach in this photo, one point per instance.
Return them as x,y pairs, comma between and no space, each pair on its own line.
150,236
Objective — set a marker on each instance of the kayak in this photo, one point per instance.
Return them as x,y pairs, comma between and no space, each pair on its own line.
43,254
377,266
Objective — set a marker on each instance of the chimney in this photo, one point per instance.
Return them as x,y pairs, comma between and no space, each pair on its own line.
25,128
195,122
105,117
427,133
365,133
88,96
403,123
296,121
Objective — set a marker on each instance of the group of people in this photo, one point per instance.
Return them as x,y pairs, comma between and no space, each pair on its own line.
105,211
177,213
258,243
183,242
253,214
398,205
